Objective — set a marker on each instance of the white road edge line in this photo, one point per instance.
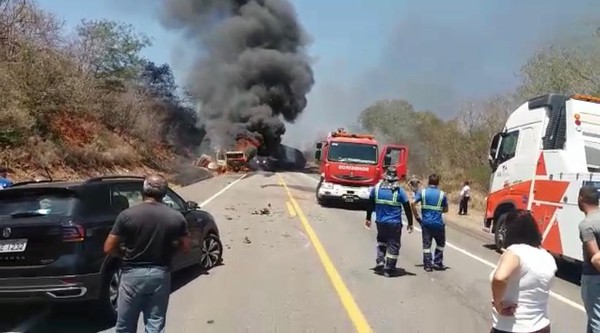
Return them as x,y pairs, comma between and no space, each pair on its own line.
207,201
558,297
30,322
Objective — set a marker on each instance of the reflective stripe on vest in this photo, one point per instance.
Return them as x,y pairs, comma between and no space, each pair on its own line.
437,207
393,202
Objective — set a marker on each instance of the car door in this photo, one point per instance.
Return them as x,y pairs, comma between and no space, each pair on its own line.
174,201
398,157
96,215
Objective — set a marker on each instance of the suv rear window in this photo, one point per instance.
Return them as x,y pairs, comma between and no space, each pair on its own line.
38,203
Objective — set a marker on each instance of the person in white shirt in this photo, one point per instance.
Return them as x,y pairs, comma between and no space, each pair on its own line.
465,194
521,282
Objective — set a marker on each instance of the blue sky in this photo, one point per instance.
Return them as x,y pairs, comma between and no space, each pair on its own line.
434,53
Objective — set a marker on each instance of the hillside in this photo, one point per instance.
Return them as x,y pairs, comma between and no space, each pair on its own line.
86,103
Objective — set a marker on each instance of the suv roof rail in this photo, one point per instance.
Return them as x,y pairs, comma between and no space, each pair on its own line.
101,178
35,182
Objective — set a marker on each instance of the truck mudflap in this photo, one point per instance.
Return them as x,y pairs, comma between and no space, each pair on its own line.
349,194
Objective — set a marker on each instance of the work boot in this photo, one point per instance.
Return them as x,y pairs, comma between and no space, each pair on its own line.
439,267
378,267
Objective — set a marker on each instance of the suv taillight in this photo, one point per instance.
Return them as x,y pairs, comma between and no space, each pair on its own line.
73,233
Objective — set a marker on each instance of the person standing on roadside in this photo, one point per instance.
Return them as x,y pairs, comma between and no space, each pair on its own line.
152,233
387,199
589,232
433,204
465,195
4,181
522,279
415,184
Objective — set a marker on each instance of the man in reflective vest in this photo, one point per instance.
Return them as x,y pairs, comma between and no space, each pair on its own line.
387,199
433,204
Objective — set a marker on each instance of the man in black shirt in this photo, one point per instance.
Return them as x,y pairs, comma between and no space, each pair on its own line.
152,233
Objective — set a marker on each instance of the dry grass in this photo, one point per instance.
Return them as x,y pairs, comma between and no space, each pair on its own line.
453,188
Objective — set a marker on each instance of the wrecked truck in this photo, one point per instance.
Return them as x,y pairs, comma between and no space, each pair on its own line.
237,160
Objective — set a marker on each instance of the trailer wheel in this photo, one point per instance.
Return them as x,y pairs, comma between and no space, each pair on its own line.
500,234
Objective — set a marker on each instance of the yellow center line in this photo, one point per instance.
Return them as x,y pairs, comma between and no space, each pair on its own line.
354,312
290,208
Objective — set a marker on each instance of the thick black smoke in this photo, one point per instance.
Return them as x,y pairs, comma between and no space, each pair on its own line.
252,73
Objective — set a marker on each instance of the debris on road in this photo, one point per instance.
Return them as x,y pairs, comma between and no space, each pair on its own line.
263,211
247,240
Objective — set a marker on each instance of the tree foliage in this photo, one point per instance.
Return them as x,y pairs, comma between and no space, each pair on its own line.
85,100
110,50
458,148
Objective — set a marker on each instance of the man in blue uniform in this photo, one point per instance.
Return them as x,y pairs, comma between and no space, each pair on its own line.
433,204
387,199
4,181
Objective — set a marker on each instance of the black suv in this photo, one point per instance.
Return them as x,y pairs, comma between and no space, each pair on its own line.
52,234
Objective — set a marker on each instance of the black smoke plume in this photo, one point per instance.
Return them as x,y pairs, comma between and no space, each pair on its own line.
252,73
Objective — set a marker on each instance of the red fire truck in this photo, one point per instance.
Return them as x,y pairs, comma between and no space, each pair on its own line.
352,163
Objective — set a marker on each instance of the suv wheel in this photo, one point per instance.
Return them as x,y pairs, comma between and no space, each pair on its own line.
113,290
106,304
212,252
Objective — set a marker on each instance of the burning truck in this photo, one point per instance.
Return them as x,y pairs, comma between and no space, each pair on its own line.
244,157
234,160
238,159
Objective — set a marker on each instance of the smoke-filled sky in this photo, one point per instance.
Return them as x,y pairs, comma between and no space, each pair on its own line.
437,53
434,53
251,71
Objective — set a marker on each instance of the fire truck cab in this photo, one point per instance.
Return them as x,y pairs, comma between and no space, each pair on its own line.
352,163
548,149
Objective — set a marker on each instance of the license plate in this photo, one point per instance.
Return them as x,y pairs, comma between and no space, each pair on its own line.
13,245
349,199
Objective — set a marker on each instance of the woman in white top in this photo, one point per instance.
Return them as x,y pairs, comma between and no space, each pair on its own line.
521,281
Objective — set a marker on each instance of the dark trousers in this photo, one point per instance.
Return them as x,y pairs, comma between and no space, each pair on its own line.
388,244
463,206
439,235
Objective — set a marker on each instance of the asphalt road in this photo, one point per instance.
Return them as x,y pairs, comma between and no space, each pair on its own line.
304,268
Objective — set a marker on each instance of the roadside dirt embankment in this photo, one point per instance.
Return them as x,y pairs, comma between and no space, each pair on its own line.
183,175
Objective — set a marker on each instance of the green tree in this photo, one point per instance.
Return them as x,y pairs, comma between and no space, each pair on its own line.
561,70
396,122
110,50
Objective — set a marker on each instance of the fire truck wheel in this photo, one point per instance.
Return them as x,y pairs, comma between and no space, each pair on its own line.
317,190
321,202
500,234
